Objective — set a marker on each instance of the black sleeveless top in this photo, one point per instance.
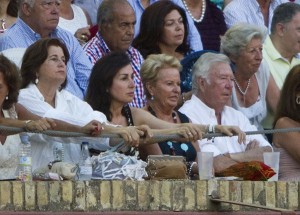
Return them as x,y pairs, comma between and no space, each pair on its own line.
185,149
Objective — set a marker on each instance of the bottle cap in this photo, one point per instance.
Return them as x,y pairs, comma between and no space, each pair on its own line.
24,138
85,143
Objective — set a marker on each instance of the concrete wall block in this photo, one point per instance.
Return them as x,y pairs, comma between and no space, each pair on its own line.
30,194
271,199
143,197
5,196
42,191
178,195
118,195
201,195
79,194
130,189
281,193
92,196
67,195
224,193
105,195
166,195
235,190
247,194
54,195
18,195
259,193
154,195
212,185
293,195
190,195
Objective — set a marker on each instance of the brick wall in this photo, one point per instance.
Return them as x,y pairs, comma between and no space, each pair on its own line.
177,195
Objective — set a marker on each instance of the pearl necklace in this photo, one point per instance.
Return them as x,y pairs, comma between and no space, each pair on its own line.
240,90
190,13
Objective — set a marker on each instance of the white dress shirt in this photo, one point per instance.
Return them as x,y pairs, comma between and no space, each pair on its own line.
199,113
68,108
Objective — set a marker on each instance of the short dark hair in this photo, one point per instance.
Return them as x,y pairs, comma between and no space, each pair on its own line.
284,13
151,28
12,79
101,80
35,55
287,106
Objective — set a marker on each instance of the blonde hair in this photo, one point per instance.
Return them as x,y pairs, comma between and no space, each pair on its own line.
153,64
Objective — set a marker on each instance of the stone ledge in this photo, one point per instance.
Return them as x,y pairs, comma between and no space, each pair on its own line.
169,195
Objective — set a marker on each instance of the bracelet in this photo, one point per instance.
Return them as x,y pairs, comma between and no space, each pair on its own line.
190,172
211,129
183,98
26,125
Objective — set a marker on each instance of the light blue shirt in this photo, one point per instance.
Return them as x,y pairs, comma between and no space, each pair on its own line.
20,35
245,11
194,37
91,7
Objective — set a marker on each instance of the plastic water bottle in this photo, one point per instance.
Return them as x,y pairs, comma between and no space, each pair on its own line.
58,151
25,159
85,165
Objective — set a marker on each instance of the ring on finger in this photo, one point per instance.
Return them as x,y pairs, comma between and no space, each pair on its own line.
83,37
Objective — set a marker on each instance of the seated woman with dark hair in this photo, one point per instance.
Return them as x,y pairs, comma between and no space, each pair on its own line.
11,116
111,88
163,29
287,116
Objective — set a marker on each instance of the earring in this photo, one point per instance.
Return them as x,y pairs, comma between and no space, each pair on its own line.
36,81
152,97
6,98
298,100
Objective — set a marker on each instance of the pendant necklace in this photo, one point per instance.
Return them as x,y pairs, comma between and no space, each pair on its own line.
190,13
240,90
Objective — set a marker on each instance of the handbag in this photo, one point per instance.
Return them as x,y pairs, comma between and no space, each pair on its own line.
114,165
160,167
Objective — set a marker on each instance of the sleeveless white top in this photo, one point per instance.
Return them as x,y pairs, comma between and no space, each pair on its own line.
257,111
79,20
9,151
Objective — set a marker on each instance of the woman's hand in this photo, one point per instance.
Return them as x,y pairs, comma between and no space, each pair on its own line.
41,124
232,130
191,132
93,128
131,135
148,133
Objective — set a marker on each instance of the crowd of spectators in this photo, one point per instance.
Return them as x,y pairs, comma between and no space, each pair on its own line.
89,65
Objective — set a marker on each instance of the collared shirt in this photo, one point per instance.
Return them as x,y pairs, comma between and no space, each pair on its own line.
194,37
96,48
248,11
20,35
279,68
68,108
200,113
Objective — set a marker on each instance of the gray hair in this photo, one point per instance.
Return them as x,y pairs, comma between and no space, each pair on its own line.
239,36
30,2
284,13
105,13
203,66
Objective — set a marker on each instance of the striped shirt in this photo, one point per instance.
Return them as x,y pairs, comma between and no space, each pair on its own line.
20,35
248,11
96,48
